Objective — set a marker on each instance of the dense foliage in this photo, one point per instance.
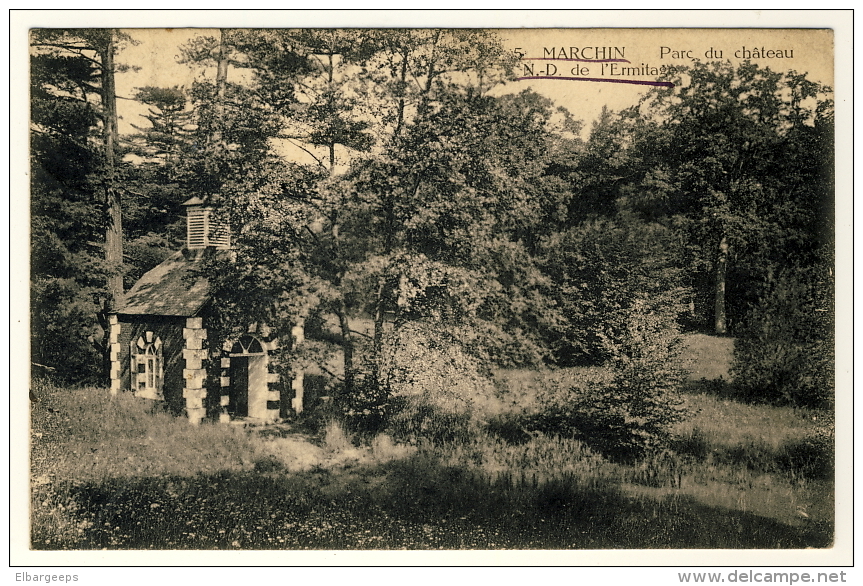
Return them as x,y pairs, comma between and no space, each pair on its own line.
627,411
431,379
373,175
70,168
605,266
786,355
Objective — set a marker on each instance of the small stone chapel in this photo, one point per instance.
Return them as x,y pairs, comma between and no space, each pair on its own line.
161,350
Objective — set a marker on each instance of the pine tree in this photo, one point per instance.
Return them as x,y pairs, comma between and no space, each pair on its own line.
74,135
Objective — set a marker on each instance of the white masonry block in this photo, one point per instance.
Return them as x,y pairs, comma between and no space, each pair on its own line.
195,415
198,354
194,378
273,396
113,319
272,377
195,322
225,400
225,381
191,333
226,363
194,393
115,386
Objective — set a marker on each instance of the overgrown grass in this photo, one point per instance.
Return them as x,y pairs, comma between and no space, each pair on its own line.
106,436
113,472
774,461
762,438
86,437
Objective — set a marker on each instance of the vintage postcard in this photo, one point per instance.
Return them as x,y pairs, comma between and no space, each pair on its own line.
462,285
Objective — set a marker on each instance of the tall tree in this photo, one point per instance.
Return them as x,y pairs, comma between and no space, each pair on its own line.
455,203
105,47
74,130
170,126
720,143
151,181
409,83
93,50
604,268
410,75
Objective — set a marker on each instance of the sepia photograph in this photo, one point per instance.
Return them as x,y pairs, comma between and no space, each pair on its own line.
438,288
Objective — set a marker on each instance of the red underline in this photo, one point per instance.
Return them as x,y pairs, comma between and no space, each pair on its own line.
603,80
580,60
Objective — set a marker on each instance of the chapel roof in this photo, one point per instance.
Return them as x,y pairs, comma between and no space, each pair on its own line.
173,288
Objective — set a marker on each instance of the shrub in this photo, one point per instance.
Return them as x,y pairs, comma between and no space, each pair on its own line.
785,354
541,459
629,415
437,417
335,438
602,267
433,381
810,457
367,408
63,321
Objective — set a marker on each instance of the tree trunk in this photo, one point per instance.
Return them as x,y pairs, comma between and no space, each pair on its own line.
347,348
378,340
114,229
221,82
401,101
721,270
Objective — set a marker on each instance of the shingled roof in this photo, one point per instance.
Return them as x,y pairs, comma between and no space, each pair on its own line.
174,287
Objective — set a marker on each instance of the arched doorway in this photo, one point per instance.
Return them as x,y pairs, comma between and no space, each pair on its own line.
248,391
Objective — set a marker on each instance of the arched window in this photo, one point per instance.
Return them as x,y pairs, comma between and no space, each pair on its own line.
247,345
147,367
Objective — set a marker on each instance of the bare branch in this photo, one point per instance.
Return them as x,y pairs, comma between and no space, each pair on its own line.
73,48
311,154
363,334
331,373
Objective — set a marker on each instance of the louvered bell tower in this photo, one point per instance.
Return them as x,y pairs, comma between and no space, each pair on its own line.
201,230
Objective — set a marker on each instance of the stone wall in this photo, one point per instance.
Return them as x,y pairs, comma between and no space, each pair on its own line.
125,330
195,355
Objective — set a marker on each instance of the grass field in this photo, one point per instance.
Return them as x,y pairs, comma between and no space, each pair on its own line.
113,473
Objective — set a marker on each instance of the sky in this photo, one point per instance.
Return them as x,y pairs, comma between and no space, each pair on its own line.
567,57
569,60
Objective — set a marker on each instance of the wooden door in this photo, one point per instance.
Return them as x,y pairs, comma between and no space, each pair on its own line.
257,387
239,386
